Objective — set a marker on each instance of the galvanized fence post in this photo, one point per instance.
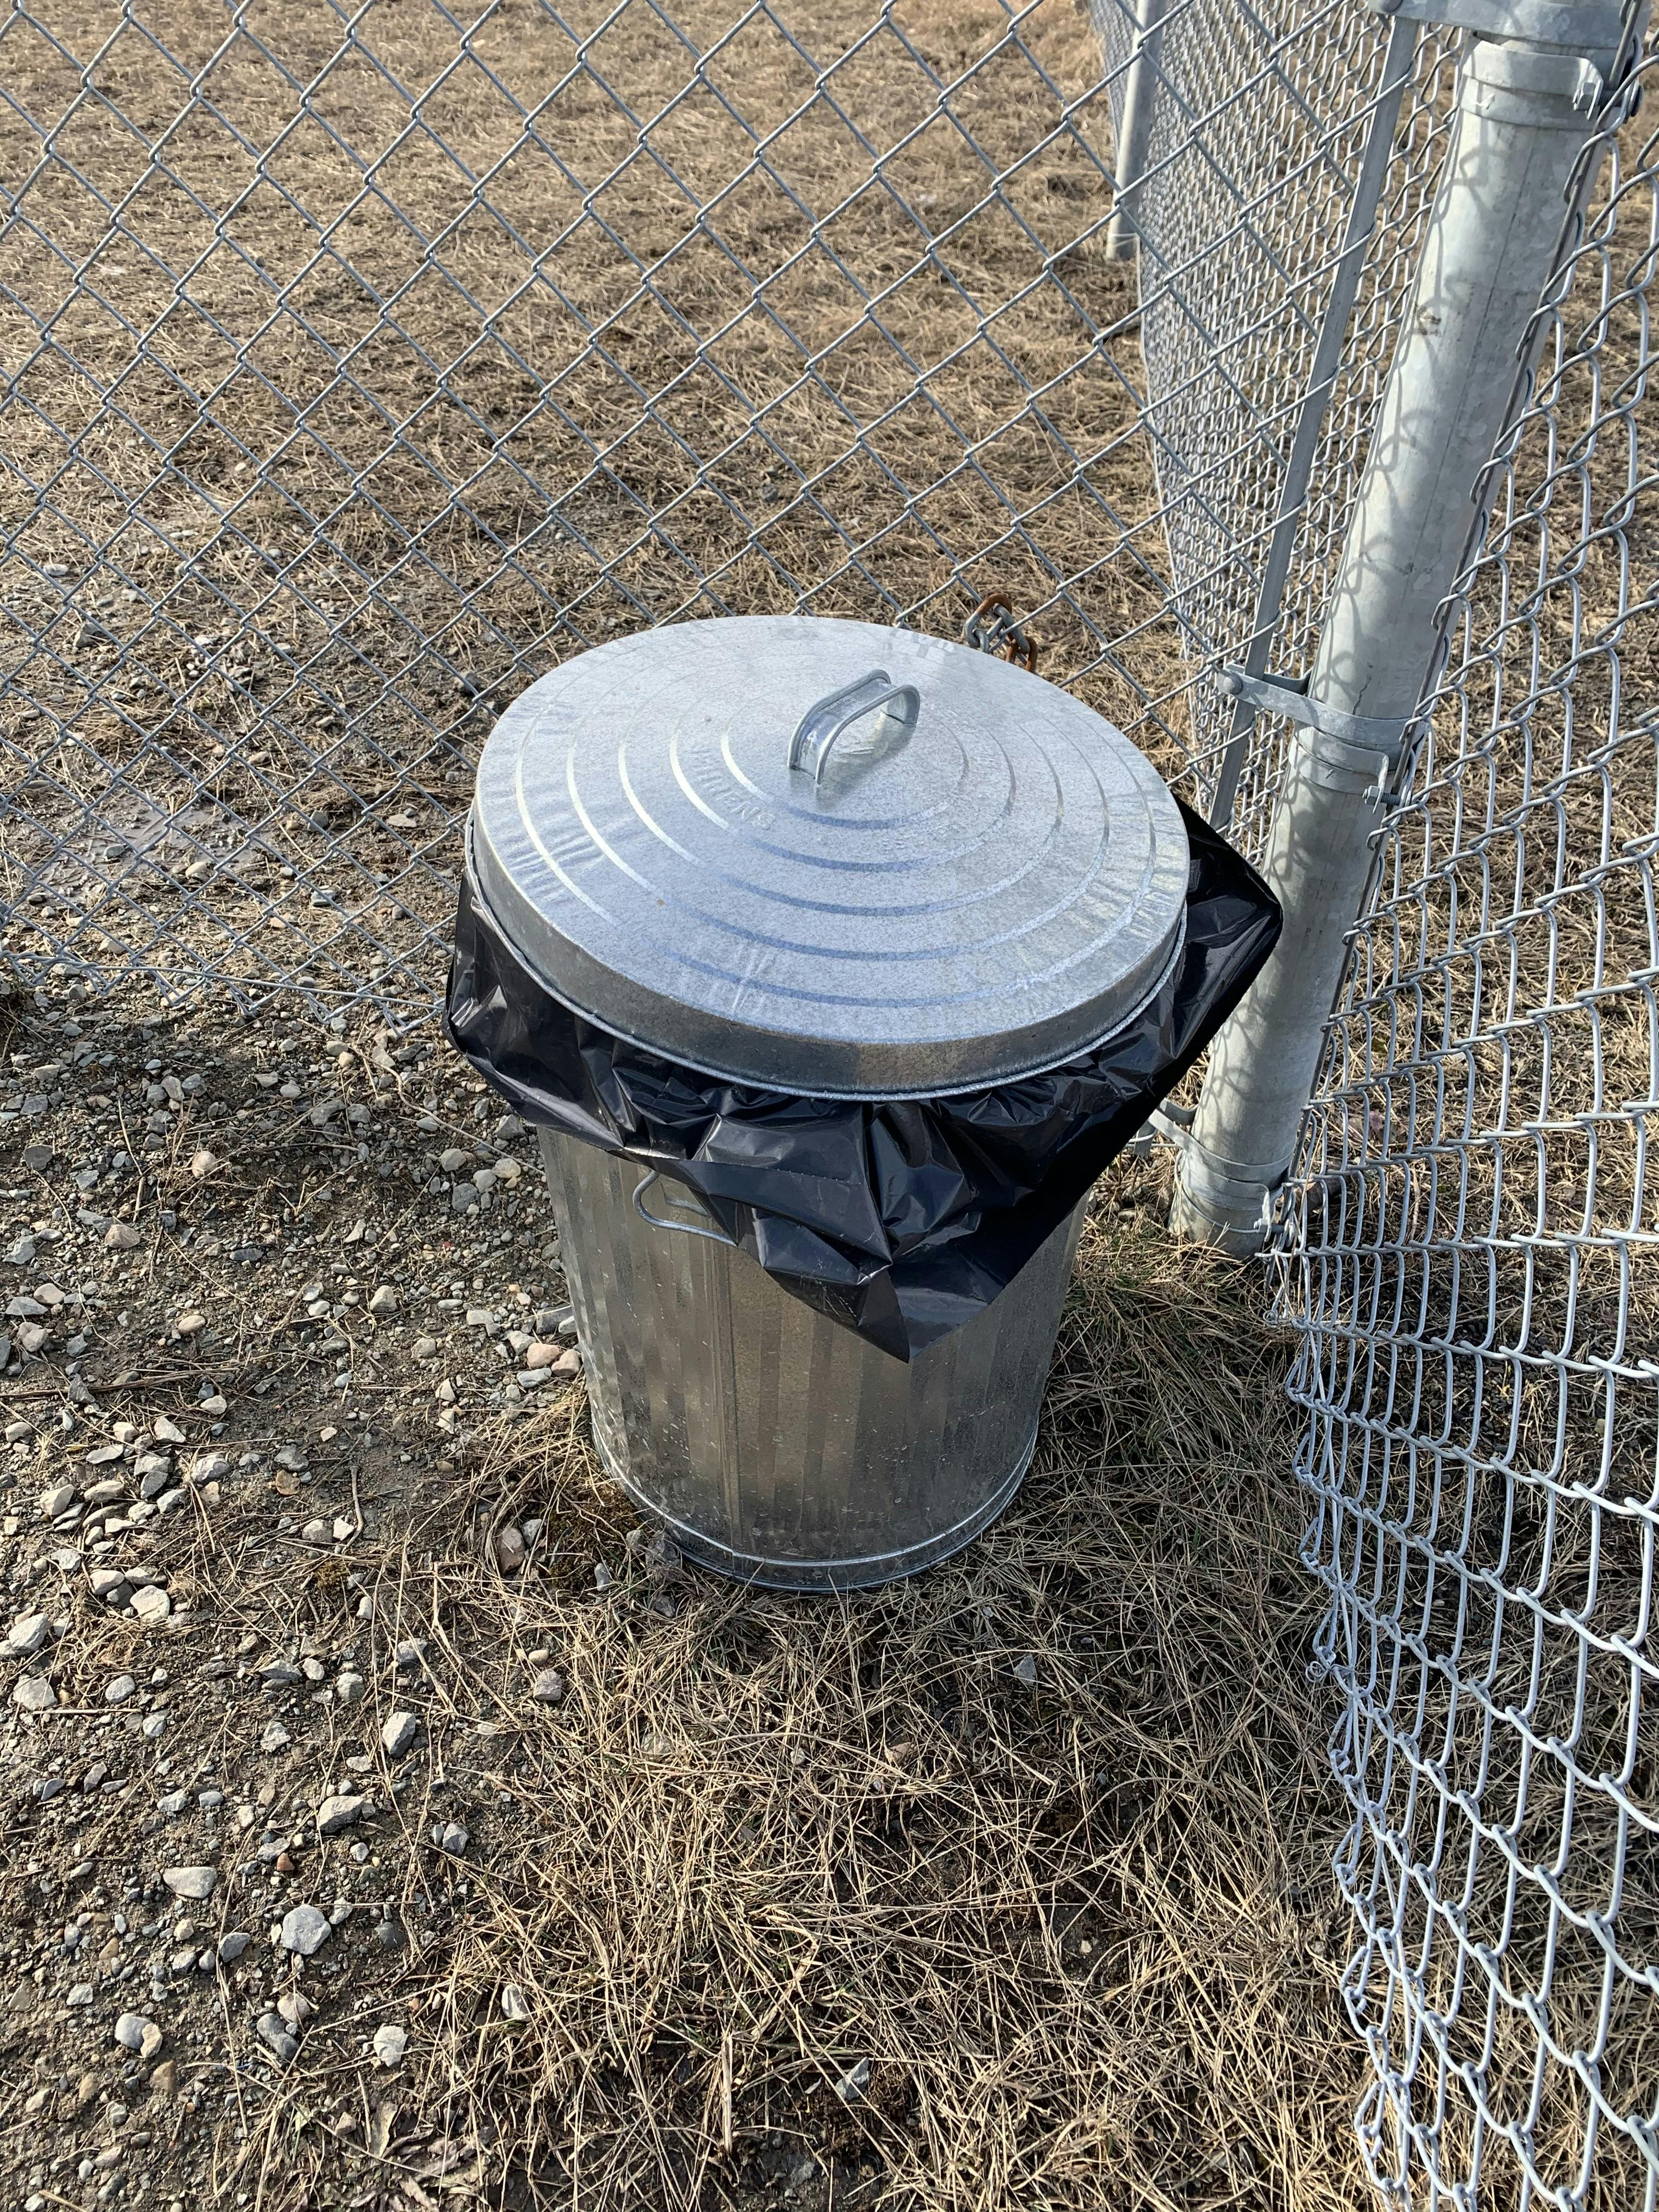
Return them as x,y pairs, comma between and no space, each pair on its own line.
1134,139
1527,98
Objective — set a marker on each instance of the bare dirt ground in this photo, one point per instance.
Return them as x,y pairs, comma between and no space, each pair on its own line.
1009,1885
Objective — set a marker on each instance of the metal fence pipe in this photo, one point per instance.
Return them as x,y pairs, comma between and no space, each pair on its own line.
1134,139
1524,114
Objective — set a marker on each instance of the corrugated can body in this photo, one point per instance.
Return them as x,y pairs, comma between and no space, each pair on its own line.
776,1445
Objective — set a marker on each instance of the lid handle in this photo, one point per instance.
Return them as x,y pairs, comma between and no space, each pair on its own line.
820,726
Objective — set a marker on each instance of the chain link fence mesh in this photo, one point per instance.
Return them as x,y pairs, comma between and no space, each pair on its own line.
1471,1256
361,366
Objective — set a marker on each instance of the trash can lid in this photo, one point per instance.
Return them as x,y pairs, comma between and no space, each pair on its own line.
828,857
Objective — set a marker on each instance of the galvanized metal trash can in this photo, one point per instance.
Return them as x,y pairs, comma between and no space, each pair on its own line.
838,861
775,1444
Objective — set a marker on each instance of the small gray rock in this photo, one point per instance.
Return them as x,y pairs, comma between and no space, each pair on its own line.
389,1936
173,1804
1025,1671
305,1929
28,1633
661,1559
55,1500
34,1694
451,1836
383,1303
134,2032
454,1160
273,2032
389,2044
119,1689
398,1734
547,1688
335,1814
349,1687
853,2083
232,1946
275,1738
151,1606
316,1533
197,1883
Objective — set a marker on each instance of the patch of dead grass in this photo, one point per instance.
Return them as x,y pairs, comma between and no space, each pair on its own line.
1083,1935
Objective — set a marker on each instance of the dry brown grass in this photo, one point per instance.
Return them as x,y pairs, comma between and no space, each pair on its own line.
1083,1933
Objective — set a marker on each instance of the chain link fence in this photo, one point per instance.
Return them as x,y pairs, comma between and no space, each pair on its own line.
1256,181
362,366
1471,1257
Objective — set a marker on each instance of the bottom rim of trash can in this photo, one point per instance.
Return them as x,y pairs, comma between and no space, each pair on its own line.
825,1578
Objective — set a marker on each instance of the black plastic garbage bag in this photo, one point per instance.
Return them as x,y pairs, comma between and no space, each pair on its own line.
900,1220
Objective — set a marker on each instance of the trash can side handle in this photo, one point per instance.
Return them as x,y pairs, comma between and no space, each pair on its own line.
821,725
659,1221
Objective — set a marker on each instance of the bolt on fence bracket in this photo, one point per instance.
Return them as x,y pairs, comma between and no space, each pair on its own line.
1586,28
1352,744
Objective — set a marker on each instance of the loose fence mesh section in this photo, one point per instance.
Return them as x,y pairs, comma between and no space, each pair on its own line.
1471,1254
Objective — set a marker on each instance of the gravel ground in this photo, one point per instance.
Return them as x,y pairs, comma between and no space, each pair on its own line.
390,1821
260,1288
